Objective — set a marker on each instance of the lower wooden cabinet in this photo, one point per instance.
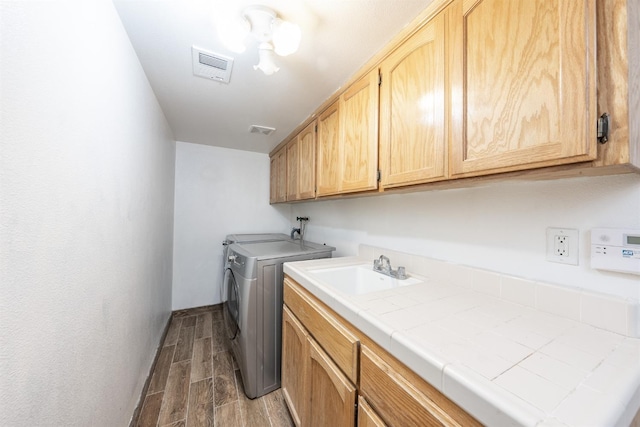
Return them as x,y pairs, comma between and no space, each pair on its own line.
295,357
390,387
330,368
332,396
317,392
326,329
367,417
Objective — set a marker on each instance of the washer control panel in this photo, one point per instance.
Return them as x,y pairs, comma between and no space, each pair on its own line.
615,249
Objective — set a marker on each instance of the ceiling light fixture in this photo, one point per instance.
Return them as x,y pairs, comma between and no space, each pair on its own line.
273,35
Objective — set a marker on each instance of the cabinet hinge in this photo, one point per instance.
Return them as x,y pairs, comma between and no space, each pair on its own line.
379,175
603,128
379,79
316,129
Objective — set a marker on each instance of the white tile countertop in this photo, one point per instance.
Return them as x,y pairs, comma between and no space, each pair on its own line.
504,362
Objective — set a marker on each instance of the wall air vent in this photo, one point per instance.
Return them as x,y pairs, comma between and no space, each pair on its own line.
212,66
263,130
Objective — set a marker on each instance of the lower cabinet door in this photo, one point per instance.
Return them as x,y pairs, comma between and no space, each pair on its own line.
295,355
389,390
367,417
333,397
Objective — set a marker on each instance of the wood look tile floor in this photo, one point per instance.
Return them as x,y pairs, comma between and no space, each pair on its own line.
196,381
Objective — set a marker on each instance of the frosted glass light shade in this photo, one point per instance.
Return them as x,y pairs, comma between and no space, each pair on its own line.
263,25
286,37
266,63
233,32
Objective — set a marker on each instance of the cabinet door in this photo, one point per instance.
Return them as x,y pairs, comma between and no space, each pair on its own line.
278,177
359,130
281,190
333,397
336,339
523,84
328,158
295,354
367,417
307,162
389,389
273,179
292,169
412,109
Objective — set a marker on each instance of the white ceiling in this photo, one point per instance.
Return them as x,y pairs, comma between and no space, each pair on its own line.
338,37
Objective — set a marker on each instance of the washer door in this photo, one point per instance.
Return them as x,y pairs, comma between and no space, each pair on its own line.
231,307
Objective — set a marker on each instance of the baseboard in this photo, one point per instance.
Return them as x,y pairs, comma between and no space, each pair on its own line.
192,311
136,412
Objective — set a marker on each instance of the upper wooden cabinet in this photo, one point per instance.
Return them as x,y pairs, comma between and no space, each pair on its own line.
273,179
301,151
523,91
359,142
292,170
413,109
307,162
328,149
278,177
348,140
482,87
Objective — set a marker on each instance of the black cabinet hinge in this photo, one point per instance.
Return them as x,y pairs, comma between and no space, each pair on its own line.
603,128
379,79
379,175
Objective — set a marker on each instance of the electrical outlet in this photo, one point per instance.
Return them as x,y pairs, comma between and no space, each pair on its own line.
562,245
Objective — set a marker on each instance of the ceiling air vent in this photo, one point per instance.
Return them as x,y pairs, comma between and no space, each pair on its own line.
212,66
264,130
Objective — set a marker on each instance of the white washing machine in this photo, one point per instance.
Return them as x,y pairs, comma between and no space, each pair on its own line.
253,310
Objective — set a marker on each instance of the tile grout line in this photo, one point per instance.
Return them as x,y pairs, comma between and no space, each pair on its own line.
235,379
213,376
164,388
266,411
191,362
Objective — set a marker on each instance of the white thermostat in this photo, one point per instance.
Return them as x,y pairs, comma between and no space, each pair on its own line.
615,249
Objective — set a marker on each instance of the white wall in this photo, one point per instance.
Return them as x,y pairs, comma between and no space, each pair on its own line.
219,191
499,227
86,216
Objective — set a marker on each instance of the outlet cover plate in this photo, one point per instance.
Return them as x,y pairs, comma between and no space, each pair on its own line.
570,237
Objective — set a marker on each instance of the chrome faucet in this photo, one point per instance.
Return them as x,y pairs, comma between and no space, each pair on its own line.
383,265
